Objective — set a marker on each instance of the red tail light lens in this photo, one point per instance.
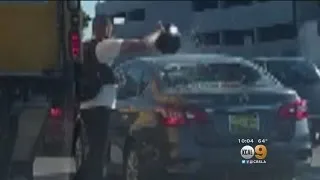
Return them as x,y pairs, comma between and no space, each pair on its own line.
75,44
172,117
197,115
297,109
55,112
176,116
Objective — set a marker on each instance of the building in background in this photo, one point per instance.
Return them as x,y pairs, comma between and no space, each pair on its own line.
246,28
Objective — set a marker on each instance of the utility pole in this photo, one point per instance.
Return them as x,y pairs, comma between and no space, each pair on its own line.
294,13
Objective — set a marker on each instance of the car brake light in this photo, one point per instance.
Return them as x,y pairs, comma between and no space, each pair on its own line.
171,117
197,115
296,109
55,112
177,116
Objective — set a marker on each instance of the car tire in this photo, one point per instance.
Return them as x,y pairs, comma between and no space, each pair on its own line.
139,166
315,138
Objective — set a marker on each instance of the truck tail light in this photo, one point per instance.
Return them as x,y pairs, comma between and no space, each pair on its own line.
55,113
75,42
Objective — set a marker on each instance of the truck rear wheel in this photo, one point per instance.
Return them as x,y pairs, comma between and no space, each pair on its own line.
80,148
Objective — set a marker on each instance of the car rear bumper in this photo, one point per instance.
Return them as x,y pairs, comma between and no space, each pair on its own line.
278,156
314,121
294,154
281,156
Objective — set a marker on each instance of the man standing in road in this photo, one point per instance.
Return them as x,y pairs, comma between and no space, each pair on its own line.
95,112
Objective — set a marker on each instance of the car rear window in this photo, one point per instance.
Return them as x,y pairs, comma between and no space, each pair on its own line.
214,75
294,72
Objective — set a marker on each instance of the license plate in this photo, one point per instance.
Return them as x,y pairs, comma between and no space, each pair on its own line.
243,123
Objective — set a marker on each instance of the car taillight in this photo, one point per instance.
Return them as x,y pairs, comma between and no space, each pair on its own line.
173,117
296,109
197,115
55,112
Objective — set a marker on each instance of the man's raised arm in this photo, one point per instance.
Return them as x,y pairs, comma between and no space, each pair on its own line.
145,44
108,49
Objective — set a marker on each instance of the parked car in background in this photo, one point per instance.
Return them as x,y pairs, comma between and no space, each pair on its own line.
185,114
304,77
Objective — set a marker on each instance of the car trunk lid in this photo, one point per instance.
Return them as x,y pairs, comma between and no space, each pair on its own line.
240,113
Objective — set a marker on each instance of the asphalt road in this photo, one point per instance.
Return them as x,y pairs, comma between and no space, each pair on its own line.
46,168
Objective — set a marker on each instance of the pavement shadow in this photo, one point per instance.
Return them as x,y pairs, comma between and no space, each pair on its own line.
61,176
312,174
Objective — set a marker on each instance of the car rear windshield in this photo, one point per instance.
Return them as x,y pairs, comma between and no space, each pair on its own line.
294,72
214,75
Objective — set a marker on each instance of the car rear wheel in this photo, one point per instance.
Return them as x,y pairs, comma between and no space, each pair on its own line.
132,166
141,164
315,138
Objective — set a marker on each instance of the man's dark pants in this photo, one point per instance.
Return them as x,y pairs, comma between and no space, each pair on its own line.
96,121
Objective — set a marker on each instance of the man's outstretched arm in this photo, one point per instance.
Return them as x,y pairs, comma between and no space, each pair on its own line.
145,44
108,49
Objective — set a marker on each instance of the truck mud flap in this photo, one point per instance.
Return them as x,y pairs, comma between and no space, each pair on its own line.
31,118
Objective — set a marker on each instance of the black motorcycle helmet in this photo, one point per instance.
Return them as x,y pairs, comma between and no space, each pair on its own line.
169,41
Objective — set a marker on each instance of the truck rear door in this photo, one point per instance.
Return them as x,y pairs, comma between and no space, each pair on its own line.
29,37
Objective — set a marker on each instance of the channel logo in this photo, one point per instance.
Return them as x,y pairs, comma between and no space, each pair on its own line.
256,155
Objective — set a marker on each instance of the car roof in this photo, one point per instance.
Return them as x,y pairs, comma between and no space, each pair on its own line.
280,58
191,59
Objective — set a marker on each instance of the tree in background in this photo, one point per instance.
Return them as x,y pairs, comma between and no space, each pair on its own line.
85,20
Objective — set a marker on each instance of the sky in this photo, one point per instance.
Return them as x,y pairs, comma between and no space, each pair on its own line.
88,6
